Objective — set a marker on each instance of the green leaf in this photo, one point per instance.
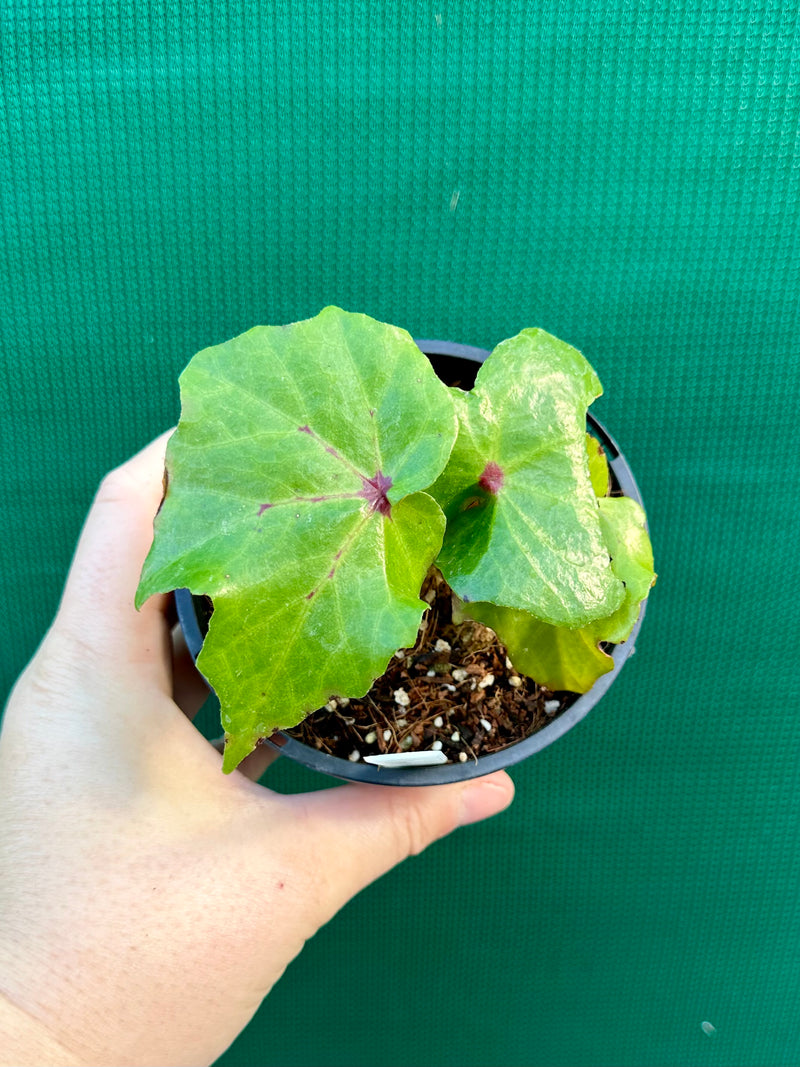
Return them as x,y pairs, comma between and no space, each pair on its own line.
294,500
598,466
553,656
560,658
625,531
523,525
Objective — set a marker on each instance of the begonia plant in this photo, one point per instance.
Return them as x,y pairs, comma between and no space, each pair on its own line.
320,469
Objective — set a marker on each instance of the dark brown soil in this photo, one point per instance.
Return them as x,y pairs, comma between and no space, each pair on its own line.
454,690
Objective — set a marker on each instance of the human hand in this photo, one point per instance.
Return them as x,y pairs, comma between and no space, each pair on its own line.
150,902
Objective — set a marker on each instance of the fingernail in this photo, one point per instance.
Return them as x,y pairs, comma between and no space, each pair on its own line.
485,797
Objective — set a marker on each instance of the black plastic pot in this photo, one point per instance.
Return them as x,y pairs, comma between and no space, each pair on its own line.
459,364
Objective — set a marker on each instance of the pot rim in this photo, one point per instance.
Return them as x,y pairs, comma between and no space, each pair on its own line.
441,774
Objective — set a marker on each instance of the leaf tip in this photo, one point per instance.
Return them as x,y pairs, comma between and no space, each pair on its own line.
236,748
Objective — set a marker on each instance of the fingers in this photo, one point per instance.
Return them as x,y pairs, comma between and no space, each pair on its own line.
97,605
355,833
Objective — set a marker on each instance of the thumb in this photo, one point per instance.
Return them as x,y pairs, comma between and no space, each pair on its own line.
97,604
355,833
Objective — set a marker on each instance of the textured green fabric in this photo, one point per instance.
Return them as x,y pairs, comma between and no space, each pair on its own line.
624,174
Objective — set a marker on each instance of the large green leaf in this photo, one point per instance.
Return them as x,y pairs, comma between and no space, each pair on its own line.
294,500
559,658
523,525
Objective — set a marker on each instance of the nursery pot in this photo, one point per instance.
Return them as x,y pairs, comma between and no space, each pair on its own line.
455,364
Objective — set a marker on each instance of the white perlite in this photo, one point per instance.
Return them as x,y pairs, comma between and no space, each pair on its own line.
438,721
354,756
402,698
486,725
331,705
436,746
387,735
486,681
514,681
462,757
371,737
459,674
455,736
406,759
551,706
441,645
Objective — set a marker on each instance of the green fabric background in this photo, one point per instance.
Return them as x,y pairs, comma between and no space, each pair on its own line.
624,174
